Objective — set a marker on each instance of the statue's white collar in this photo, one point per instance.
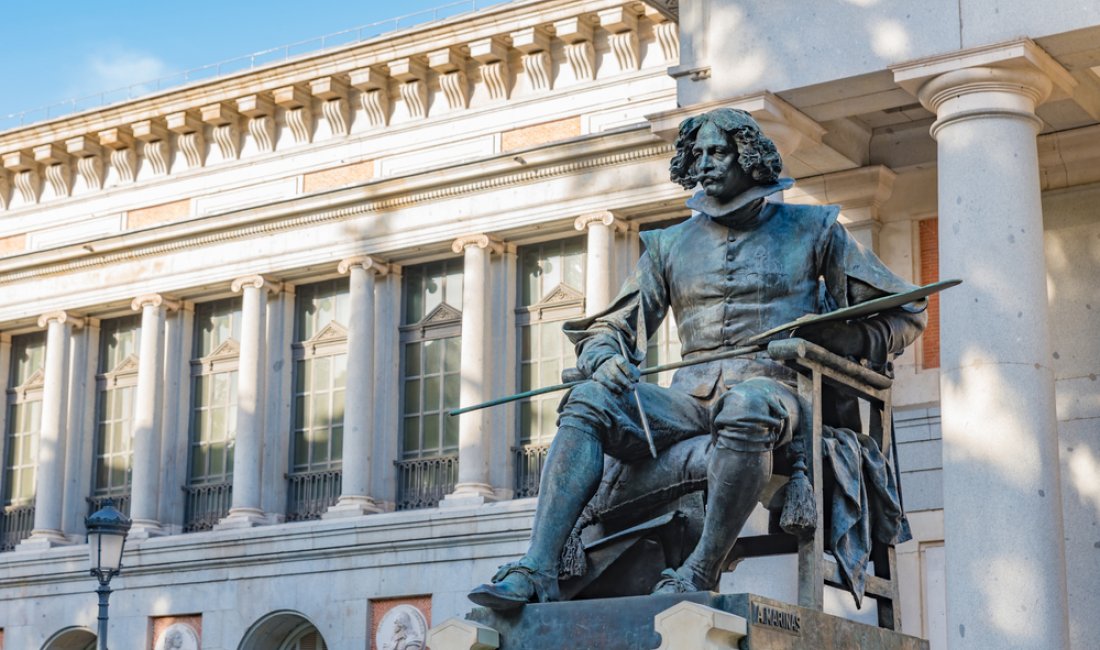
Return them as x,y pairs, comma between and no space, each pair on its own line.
700,202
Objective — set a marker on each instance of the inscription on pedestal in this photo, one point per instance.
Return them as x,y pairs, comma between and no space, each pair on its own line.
777,618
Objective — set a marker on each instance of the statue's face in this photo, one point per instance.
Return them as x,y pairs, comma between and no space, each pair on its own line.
716,164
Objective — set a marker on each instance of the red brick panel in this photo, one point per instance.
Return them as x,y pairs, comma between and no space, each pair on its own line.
930,272
162,623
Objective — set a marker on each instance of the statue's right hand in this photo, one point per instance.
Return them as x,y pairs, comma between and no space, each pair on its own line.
617,374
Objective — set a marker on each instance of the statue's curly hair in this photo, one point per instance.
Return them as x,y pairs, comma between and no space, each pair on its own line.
756,153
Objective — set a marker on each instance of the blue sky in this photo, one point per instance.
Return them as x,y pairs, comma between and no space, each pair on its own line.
55,51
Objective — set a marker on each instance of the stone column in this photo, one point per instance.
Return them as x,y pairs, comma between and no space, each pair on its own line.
49,474
148,401
473,485
246,510
355,492
1005,550
599,276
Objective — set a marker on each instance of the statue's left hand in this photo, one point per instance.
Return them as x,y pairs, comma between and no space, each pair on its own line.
845,339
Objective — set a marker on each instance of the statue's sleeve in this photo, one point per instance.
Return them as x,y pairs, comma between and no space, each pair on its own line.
854,274
636,311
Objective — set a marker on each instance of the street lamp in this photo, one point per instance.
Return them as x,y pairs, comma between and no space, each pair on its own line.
107,529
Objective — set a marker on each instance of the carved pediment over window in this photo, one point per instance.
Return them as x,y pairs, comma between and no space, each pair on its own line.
444,313
229,349
563,293
128,367
332,332
34,383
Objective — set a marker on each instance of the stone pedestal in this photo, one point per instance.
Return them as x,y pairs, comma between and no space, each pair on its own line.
698,621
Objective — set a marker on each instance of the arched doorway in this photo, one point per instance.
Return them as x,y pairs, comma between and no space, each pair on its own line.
283,631
71,638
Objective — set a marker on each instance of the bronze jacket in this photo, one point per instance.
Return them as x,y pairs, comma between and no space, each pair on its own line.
734,270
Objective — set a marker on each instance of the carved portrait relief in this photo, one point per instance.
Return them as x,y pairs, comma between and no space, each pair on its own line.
178,636
401,628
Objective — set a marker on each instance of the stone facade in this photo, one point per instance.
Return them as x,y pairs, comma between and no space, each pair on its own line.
192,282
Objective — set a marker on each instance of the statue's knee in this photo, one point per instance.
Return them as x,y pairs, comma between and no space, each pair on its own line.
750,418
586,410
589,395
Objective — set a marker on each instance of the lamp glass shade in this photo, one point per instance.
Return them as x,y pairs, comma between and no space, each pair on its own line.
105,550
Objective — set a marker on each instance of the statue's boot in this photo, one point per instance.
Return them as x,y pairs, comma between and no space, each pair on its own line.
569,479
735,480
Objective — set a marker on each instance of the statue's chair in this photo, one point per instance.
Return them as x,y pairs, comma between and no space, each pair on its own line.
626,539
818,371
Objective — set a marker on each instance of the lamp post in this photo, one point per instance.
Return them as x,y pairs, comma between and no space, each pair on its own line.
107,529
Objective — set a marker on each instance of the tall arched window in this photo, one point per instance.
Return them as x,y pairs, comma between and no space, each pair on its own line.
24,405
213,412
551,290
116,382
430,344
320,375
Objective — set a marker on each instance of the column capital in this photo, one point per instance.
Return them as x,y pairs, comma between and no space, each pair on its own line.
366,262
155,300
603,217
62,317
255,282
480,240
1007,78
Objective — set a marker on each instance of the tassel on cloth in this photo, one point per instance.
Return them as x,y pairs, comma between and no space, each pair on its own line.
799,516
573,562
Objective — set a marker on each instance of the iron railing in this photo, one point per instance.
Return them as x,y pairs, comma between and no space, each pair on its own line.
238,64
120,501
423,482
206,505
311,494
529,462
16,523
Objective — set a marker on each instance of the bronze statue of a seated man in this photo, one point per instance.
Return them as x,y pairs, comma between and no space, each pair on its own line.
739,266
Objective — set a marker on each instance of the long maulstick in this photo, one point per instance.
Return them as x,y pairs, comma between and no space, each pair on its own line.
728,354
757,343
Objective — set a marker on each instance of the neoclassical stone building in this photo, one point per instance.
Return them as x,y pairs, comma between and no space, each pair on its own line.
241,308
